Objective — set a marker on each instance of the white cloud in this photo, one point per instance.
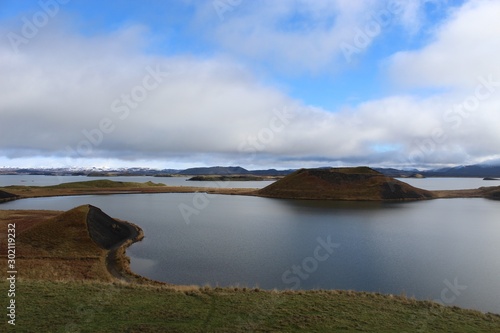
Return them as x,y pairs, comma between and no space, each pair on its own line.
464,47
304,36
213,110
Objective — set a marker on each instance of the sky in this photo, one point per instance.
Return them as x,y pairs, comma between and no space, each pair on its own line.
259,84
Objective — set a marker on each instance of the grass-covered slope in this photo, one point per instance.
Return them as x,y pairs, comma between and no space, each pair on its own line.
492,192
360,183
65,235
60,248
71,246
104,307
102,186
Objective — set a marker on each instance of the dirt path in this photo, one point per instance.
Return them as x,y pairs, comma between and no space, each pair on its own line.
117,261
115,236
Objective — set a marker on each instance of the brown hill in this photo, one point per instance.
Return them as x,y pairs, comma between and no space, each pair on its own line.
84,229
361,183
491,192
72,245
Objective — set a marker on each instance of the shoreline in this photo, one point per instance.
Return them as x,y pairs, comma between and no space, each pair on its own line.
44,192
367,185
482,192
118,263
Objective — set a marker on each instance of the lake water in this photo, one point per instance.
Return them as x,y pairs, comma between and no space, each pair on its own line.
445,250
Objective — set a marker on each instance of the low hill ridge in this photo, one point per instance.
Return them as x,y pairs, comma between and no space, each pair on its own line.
82,243
105,183
360,183
84,228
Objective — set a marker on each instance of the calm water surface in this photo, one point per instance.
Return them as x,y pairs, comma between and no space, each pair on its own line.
449,183
32,180
445,250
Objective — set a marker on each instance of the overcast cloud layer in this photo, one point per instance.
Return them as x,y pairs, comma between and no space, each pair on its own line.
74,99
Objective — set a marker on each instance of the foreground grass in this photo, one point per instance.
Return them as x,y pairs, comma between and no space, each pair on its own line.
104,307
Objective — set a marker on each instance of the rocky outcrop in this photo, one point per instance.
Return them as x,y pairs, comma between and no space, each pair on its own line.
6,196
106,231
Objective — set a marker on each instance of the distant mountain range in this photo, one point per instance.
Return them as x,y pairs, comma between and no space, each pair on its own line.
97,172
233,171
477,170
